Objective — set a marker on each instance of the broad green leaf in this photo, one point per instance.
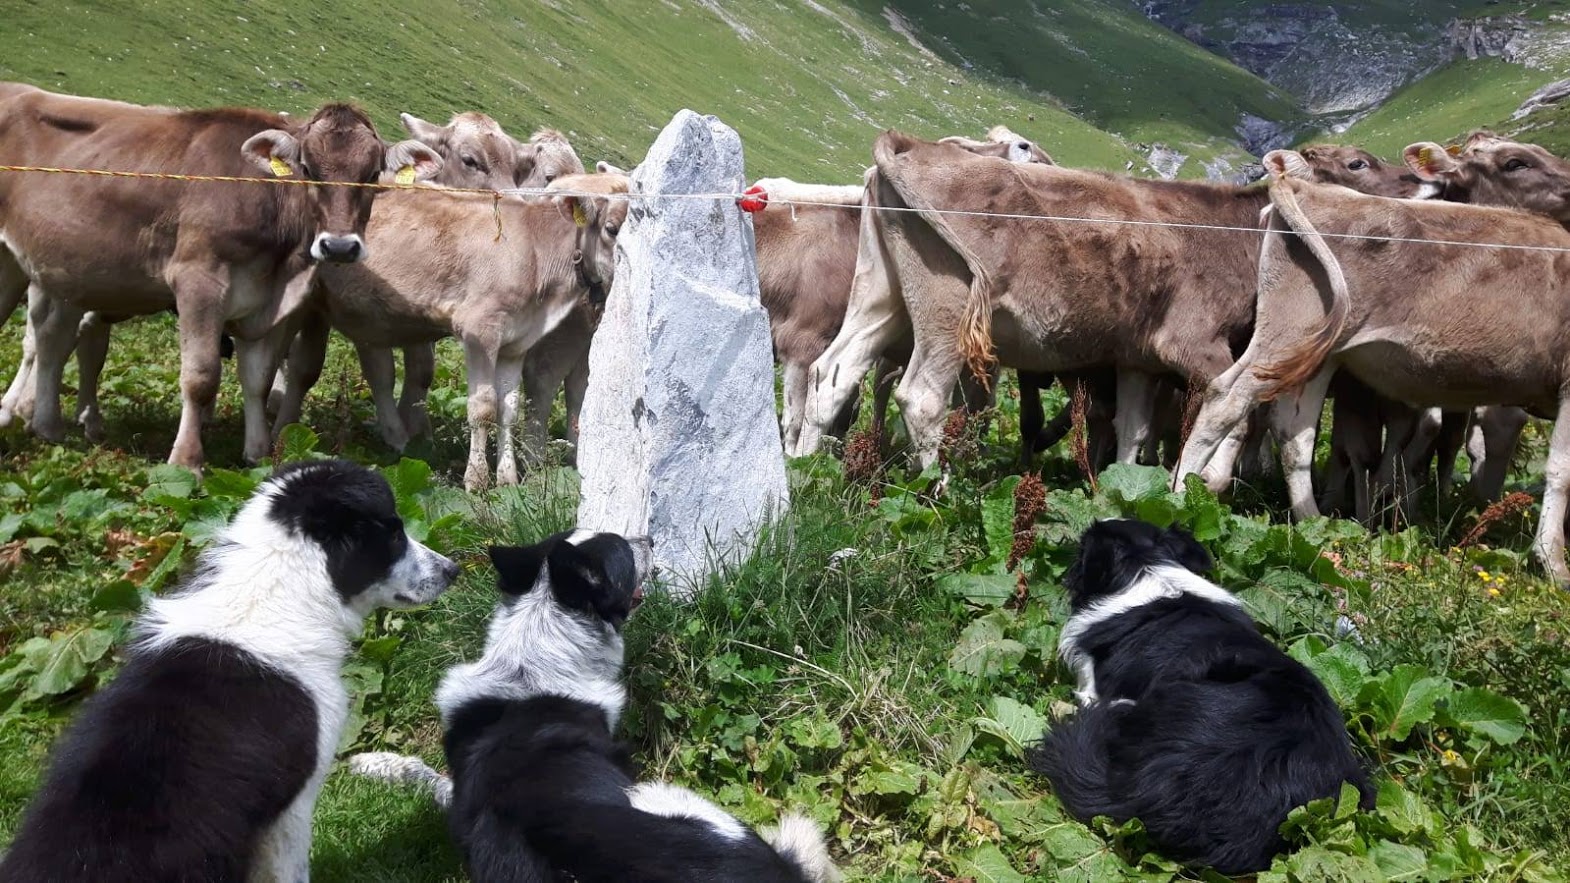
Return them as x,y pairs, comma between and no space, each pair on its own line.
997,518
297,442
981,589
1316,864
1203,514
1397,861
1343,671
988,865
228,484
1407,696
168,567
10,523
1403,810
69,660
167,482
380,650
983,650
1012,722
120,596
1487,713
1127,483
1071,842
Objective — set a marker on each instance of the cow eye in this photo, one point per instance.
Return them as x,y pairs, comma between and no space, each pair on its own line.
471,162
611,229
1515,165
1357,165
549,178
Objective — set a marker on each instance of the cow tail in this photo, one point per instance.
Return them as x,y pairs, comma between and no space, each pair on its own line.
975,327
1303,362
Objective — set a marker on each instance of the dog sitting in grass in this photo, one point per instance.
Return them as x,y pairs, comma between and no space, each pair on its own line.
540,789
1190,720
202,759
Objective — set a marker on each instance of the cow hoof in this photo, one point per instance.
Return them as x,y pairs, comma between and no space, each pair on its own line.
395,438
476,480
189,461
507,475
52,432
92,427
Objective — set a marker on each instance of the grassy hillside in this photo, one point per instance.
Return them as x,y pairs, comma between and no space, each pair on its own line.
808,86
1459,97
1106,62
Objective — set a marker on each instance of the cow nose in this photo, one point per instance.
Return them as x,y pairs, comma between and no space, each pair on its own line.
338,249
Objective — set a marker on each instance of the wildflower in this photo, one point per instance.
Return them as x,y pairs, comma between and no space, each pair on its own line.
1493,592
1449,757
1483,575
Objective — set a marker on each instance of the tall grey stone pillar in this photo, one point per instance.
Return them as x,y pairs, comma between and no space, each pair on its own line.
678,437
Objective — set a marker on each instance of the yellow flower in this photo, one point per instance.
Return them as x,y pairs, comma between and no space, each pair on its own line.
1449,758
1493,592
1483,575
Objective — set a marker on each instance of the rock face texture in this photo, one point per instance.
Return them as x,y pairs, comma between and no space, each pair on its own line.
677,437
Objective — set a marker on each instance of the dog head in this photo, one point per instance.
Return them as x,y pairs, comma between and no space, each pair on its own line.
348,514
594,576
1115,552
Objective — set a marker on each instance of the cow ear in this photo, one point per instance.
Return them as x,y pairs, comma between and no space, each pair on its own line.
605,168
518,567
578,206
274,151
1287,164
429,133
414,155
1429,161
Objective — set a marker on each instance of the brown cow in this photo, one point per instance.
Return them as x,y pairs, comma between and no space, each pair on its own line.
438,269
1057,295
219,255
478,153
1415,331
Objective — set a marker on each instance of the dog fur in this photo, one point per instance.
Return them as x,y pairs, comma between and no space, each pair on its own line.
1191,720
541,789
202,759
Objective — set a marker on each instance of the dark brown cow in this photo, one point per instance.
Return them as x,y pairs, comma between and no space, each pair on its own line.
1404,317
221,253
1054,295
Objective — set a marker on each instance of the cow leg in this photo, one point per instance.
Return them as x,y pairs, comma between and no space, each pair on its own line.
575,388
381,376
1221,426
419,372
1032,417
539,392
479,359
13,287
19,398
54,328
1492,442
1551,524
795,383
923,396
1136,397
257,364
92,350
882,389
1295,420
1415,456
509,375
303,367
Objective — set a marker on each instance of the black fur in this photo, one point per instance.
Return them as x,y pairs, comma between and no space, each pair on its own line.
169,773
1223,734
348,510
539,784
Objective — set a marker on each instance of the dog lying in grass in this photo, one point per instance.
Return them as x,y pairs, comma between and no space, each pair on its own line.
541,789
1190,720
202,759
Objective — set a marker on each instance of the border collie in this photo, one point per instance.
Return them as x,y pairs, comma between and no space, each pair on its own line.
202,759
1191,720
541,789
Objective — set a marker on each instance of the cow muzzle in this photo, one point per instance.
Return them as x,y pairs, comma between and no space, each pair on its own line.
338,249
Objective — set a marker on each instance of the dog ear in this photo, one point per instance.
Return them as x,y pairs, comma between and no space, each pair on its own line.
518,567
1093,571
1186,550
580,581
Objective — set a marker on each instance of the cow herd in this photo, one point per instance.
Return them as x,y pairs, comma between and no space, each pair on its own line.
1423,298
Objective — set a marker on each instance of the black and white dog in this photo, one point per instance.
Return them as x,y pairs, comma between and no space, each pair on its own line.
541,789
202,760
1191,720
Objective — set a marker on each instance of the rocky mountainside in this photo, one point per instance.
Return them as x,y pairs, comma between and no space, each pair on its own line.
1343,60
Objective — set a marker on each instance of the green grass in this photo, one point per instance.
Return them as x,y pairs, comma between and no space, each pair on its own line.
887,693
807,86
1460,97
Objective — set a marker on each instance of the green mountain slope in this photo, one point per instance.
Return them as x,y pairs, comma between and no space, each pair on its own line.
808,86
1105,61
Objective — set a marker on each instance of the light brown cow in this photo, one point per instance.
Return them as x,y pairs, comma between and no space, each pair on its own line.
221,253
438,269
1403,317
1054,295
544,159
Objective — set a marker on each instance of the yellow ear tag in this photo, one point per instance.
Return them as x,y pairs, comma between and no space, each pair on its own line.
1453,149
404,175
578,217
1425,155
280,168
